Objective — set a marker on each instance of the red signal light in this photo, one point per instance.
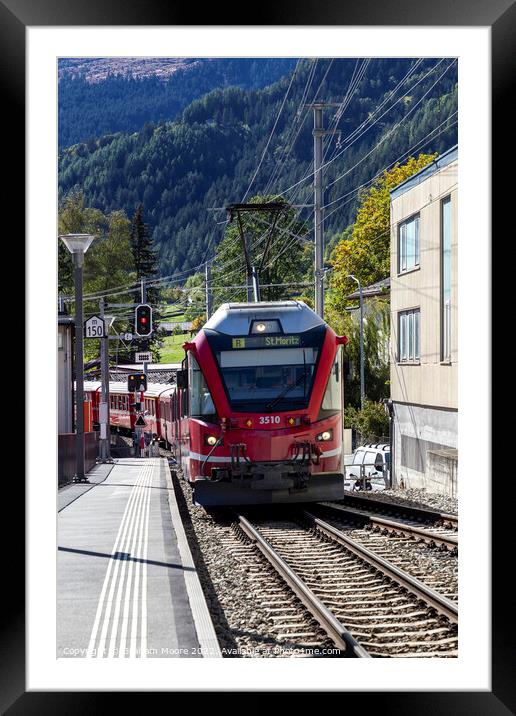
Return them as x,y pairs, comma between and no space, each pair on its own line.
143,320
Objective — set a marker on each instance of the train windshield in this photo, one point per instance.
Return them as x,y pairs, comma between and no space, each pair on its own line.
262,379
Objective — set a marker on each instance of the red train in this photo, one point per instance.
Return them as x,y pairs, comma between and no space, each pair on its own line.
256,416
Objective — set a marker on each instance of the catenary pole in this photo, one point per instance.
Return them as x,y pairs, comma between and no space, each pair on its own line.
318,210
207,273
318,134
105,447
362,361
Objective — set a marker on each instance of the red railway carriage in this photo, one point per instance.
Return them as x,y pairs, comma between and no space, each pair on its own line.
121,414
257,414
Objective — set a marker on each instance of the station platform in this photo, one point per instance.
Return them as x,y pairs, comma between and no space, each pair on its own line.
127,586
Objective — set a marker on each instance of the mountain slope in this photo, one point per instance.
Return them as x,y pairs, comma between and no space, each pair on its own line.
100,96
207,157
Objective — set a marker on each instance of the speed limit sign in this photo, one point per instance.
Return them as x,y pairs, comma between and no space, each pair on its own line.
94,327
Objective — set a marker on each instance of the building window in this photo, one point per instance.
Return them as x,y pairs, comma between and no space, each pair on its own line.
408,336
408,248
446,230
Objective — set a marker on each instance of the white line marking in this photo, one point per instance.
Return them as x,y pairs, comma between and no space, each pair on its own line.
126,568
93,637
125,617
144,572
200,457
133,642
120,562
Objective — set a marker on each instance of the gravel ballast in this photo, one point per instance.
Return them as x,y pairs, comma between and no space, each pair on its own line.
253,612
415,498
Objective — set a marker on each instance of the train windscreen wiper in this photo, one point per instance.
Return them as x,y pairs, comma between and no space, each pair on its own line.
283,393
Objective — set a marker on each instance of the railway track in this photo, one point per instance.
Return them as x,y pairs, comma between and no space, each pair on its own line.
440,521
368,606
431,560
431,533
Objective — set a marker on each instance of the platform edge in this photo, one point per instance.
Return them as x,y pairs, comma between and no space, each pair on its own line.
204,628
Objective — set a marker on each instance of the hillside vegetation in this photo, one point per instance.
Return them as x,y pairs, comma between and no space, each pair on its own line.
222,141
100,96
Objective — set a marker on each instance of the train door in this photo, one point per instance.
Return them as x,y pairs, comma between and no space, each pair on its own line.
183,422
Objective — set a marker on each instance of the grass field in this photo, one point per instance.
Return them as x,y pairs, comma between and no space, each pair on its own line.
172,351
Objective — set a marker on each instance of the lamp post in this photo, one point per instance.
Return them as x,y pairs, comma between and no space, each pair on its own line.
362,381
77,245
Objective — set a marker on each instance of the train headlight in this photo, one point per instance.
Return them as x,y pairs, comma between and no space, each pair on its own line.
324,436
271,325
210,440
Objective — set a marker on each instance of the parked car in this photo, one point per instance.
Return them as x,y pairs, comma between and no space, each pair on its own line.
372,462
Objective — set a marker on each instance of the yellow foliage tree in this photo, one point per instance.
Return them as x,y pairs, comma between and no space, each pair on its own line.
198,323
366,254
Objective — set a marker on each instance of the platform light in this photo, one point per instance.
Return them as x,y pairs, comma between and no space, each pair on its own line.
77,245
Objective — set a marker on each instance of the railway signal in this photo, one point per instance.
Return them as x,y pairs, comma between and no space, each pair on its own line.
135,381
143,320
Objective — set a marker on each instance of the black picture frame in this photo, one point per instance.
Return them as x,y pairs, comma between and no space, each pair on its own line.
500,15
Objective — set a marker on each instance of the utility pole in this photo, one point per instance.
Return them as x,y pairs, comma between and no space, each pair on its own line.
318,134
105,447
144,300
362,357
207,273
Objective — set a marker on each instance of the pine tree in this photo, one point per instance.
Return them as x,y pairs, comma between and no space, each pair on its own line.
147,269
145,258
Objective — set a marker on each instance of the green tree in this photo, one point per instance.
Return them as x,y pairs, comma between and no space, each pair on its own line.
284,262
144,253
376,342
194,297
371,421
366,254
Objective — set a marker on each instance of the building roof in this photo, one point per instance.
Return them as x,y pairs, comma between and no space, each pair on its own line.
443,160
380,288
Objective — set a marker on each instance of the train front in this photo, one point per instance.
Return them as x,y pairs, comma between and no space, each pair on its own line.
265,388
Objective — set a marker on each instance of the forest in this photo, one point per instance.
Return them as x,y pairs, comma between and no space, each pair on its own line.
236,142
126,102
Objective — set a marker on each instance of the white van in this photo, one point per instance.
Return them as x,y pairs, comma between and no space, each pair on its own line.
372,461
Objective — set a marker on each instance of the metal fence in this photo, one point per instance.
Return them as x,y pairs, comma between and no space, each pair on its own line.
359,439
66,455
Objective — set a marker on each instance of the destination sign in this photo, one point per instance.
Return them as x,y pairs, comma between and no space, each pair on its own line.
266,342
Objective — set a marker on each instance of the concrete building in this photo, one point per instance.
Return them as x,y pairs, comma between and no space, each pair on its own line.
424,328
65,330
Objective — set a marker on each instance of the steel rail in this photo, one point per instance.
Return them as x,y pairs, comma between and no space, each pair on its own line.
440,603
449,541
421,513
331,625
